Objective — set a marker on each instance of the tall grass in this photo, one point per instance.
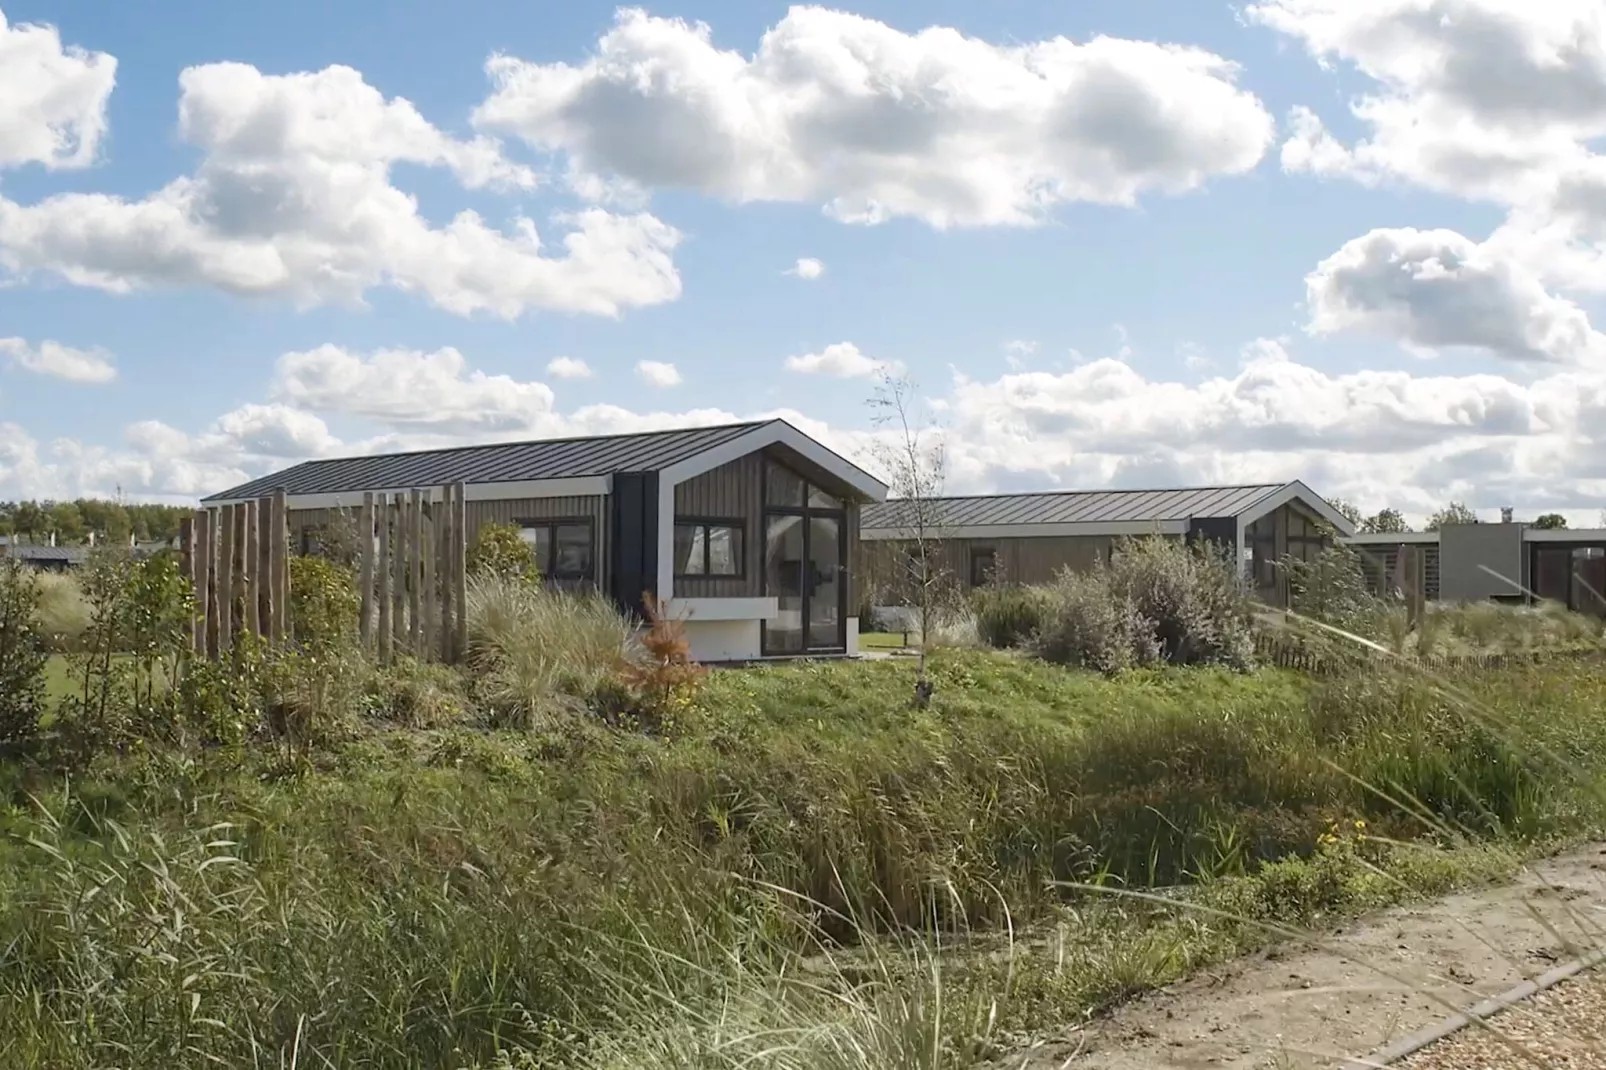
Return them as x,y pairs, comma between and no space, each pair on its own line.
64,613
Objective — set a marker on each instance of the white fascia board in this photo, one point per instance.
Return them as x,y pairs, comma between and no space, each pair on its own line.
777,432
1564,535
1030,531
574,487
1297,491
695,609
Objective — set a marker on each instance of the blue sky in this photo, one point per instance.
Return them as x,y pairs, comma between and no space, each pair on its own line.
1296,241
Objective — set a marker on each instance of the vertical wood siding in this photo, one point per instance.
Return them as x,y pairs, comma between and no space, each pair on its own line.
732,491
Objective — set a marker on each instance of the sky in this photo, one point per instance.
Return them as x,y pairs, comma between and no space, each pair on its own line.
1121,243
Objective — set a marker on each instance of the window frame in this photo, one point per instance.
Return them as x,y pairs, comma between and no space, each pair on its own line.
735,524
549,573
977,555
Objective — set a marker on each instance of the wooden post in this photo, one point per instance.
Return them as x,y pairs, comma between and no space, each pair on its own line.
224,579
250,580
1409,570
430,551
237,574
263,566
443,573
415,572
214,522
365,577
201,568
459,571
279,565
398,579
382,594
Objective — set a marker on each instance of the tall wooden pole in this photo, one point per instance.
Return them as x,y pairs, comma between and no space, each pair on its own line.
429,549
382,595
460,568
250,580
237,572
365,576
415,572
201,556
398,579
443,574
214,526
225,579
279,565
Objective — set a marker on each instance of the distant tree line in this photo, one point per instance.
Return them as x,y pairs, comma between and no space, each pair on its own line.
1389,521
73,522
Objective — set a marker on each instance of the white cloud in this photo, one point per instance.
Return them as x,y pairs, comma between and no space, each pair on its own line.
657,373
61,362
568,368
874,123
52,98
1437,289
840,360
293,198
807,268
1495,100
1379,438
409,389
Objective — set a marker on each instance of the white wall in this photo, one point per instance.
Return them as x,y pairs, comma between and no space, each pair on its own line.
723,640
853,635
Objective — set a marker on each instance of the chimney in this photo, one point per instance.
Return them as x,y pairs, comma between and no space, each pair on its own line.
91,540
1506,513
52,538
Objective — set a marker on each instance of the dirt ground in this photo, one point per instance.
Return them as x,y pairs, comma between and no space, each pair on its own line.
1300,1008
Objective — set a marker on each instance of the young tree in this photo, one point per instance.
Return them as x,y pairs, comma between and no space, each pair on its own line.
911,453
1454,513
1348,509
1384,521
1551,522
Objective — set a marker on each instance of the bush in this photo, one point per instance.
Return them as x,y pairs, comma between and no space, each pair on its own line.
417,694
537,652
324,604
1157,600
1007,616
1087,624
22,657
1332,587
499,550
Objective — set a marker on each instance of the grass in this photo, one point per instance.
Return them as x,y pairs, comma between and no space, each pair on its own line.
798,871
886,641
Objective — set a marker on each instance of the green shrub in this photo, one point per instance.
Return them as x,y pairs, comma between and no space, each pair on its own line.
1332,587
22,657
417,694
1157,599
1007,616
1086,623
499,550
324,604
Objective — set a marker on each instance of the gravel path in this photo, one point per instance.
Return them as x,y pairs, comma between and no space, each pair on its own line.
1562,1028
1304,1008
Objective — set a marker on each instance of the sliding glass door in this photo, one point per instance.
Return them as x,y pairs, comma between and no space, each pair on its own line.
805,566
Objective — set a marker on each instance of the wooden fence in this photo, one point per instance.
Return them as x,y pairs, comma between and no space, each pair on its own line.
1337,657
412,573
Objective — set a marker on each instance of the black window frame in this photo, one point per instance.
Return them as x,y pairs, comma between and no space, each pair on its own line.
735,524
549,572
978,554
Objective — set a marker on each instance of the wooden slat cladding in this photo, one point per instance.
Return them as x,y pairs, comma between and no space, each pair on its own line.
733,491
1026,560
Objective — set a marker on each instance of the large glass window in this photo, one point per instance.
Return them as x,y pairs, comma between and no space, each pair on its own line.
709,548
983,566
805,564
564,550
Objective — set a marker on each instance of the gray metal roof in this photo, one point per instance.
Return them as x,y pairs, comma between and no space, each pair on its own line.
553,458
1076,506
42,552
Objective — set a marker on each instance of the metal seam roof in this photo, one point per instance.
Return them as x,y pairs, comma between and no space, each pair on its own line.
498,462
1079,506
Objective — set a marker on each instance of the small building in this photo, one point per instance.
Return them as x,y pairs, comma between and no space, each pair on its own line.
744,531
1028,538
46,557
1505,562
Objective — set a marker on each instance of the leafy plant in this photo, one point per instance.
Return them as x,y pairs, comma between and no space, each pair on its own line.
499,550
1331,586
324,604
161,615
22,657
663,677
1007,616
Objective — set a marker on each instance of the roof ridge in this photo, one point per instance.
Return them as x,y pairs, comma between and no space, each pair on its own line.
532,441
1096,490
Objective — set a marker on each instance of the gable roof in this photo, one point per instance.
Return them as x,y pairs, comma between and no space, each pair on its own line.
1094,512
551,458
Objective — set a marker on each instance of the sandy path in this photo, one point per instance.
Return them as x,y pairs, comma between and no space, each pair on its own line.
1308,1007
